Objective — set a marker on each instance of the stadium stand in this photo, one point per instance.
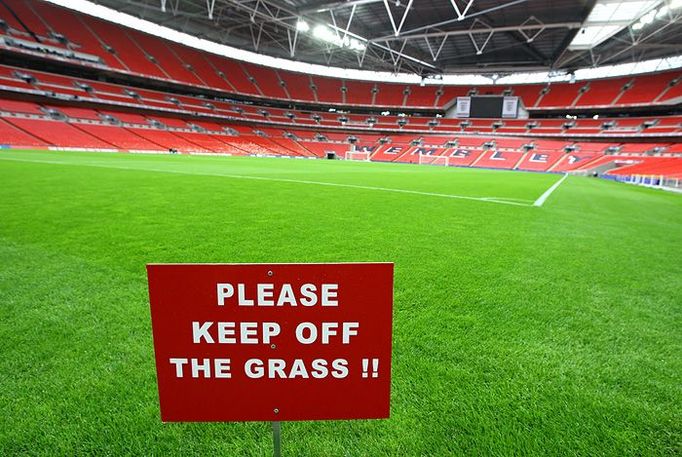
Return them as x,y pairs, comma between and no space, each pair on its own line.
57,133
13,136
40,109
120,49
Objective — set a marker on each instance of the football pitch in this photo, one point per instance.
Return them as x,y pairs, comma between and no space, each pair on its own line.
519,329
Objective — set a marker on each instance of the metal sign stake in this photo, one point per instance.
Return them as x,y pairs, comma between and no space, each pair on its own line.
276,438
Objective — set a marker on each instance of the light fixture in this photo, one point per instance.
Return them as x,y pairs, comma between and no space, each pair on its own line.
324,33
659,13
648,18
302,26
662,11
609,17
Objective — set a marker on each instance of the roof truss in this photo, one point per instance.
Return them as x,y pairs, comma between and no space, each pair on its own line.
424,37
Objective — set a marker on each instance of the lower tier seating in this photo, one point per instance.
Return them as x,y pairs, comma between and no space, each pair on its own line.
31,125
670,167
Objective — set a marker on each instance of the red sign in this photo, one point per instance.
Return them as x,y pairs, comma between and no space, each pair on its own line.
272,342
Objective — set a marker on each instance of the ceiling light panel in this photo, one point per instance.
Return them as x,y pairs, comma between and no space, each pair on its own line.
607,18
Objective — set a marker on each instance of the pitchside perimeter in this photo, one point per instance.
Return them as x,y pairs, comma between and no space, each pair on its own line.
486,186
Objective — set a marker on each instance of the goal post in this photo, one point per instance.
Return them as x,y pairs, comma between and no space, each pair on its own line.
428,159
358,155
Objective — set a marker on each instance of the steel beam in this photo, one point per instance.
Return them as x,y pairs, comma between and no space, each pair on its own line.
513,28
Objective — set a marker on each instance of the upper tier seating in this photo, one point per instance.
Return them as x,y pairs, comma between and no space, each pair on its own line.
645,89
602,92
328,90
360,93
391,95
673,93
268,81
560,95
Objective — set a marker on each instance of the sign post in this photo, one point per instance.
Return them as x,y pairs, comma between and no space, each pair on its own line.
276,439
272,342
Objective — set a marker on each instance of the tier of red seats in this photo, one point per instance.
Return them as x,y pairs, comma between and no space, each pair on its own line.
645,89
540,160
125,48
602,92
16,106
254,114
322,149
425,96
573,161
464,157
651,166
119,137
268,81
24,10
495,158
328,90
57,133
80,34
503,153
360,93
560,95
28,120
673,93
12,136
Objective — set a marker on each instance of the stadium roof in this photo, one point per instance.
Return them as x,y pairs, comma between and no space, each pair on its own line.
428,37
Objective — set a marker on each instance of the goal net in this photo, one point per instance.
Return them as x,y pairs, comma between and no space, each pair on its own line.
427,159
357,155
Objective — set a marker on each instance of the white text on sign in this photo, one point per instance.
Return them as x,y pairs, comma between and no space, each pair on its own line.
287,295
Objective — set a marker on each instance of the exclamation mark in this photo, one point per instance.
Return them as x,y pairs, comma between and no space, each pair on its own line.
365,366
375,368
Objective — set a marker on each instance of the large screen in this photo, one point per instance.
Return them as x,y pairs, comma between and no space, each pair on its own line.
487,107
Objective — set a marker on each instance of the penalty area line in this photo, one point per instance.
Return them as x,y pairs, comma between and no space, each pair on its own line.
497,200
541,200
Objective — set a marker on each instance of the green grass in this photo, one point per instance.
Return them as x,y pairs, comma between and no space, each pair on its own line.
518,330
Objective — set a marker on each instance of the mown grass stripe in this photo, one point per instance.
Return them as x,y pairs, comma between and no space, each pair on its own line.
498,200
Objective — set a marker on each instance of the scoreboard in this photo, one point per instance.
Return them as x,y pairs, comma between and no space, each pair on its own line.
487,107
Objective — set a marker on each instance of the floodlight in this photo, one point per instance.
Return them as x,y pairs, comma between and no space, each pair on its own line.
648,18
324,33
321,32
610,17
302,26
663,10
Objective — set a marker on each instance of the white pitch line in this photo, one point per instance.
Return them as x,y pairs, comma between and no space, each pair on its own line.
498,200
540,201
